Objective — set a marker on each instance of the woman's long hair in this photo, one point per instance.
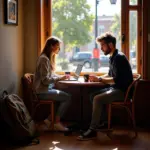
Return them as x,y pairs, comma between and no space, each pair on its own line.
47,50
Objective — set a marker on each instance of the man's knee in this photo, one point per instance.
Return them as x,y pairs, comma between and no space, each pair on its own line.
99,99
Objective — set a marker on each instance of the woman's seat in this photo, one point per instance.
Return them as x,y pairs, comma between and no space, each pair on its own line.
29,92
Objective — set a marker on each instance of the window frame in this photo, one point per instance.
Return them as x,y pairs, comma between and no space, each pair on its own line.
45,30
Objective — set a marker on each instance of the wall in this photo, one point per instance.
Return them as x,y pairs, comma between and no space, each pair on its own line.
11,51
18,45
30,35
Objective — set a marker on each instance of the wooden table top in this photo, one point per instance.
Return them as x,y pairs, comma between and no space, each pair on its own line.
81,82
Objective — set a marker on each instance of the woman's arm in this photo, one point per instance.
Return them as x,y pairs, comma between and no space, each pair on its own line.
45,72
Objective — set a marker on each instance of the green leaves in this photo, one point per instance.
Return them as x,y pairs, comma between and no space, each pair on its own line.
72,21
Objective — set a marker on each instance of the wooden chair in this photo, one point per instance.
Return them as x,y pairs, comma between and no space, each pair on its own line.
128,103
27,81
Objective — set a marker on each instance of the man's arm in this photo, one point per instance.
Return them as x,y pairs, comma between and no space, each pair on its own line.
105,76
106,80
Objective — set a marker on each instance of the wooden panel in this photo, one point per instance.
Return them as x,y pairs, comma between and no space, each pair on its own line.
74,111
145,39
142,103
44,22
123,24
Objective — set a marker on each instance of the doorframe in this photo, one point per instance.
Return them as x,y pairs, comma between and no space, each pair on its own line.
145,38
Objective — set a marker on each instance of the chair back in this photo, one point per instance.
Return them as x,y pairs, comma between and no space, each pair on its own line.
30,98
136,78
28,77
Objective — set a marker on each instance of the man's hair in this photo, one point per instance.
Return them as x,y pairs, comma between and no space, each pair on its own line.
107,37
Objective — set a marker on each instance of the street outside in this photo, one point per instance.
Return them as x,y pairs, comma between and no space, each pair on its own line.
72,68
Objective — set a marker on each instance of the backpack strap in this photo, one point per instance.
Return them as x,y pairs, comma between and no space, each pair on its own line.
3,94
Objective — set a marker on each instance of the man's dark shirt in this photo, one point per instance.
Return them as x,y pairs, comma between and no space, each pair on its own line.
120,70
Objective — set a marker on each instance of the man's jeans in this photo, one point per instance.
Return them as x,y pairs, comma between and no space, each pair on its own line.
101,98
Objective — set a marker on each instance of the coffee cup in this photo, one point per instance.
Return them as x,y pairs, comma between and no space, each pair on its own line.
86,77
67,74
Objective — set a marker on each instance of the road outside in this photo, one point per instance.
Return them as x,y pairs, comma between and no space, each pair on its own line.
72,68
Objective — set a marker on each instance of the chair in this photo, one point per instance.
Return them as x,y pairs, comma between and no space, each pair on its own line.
27,81
128,103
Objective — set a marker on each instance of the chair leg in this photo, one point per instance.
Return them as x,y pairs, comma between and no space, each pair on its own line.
51,110
109,115
131,114
133,120
34,111
109,121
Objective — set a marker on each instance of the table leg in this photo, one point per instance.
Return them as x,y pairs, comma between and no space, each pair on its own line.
82,125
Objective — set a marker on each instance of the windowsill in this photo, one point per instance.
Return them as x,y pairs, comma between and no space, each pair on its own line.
95,73
82,73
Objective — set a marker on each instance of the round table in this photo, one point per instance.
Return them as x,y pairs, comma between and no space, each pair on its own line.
81,84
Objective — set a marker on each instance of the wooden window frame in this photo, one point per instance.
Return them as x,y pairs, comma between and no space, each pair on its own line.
44,22
45,30
145,8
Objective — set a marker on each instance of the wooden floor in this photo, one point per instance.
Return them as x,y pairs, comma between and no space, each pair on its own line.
121,140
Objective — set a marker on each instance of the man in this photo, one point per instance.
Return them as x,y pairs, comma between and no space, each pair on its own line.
119,77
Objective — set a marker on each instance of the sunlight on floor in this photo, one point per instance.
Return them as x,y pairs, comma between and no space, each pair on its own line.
55,142
55,147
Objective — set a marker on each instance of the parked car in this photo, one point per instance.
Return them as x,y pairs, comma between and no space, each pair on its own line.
84,58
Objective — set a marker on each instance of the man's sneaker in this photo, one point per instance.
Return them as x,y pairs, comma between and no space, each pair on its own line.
88,135
60,127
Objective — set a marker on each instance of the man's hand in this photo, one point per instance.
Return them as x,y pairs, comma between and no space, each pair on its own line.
93,78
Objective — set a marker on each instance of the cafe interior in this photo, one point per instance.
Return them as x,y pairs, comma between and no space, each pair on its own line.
22,38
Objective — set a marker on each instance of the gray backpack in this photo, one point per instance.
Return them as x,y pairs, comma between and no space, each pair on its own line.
22,129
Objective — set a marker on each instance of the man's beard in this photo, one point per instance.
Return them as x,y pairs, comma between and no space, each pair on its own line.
108,51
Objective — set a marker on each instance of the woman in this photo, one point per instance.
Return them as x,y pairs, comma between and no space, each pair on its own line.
45,78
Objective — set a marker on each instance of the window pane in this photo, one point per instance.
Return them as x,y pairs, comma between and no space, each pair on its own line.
133,40
133,2
75,26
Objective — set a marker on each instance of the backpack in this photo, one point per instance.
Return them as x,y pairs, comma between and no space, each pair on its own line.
21,127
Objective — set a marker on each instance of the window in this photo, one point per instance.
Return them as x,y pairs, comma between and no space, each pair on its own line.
134,35
133,2
133,39
75,25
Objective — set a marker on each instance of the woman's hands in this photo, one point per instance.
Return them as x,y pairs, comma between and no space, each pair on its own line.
63,77
93,78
